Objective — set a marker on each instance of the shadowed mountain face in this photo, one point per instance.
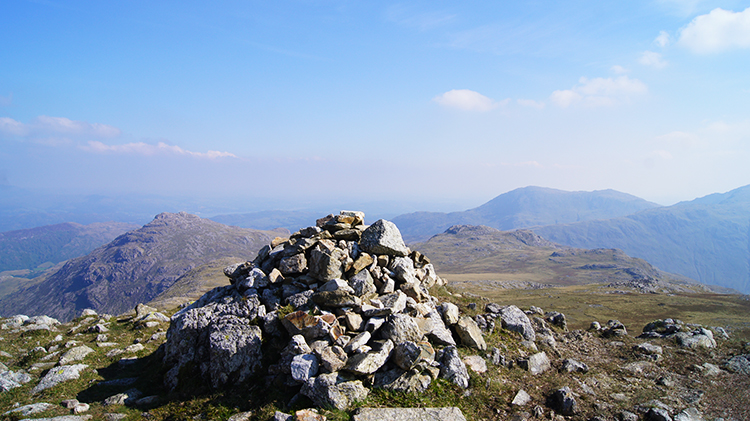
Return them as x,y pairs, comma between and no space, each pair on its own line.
29,248
135,267
706,239
523,208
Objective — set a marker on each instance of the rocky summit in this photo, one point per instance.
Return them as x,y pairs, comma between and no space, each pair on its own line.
346,306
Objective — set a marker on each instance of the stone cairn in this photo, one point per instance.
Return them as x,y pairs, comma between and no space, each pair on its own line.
346,304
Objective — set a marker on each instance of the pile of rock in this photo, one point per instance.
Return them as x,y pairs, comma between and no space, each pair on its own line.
339,306
686,335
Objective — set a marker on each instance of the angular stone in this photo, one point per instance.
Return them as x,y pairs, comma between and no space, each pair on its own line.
536,364
403,267
407,354
293,265
326,262
363,284
739,364
562,401
336,284
570,365
364,260
412,381
255,279
432,325
410,414
689,414
330,390
333,358
383,237
400,328
77,353
303,367
521,399
476,363
470,334
450,313
648,349
370,362
354,322
516,320
657,414
336,299
309,414
452,368
356,342
234,350
125,398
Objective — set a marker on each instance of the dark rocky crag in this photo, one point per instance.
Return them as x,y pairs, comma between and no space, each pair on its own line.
135,267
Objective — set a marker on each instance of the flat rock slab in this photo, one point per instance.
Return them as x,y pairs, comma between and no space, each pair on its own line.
62,418
58,375
30,409
410,414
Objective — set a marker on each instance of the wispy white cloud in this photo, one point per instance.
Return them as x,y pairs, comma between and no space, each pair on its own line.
531,103
11,127
57,126
663,39
652,59
147,149
6,100
599,91
619,70
717,31
465,99
421,20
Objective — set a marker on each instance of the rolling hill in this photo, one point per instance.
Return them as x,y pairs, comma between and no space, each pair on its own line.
523,259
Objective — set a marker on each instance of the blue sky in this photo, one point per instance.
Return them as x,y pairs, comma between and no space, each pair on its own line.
441,104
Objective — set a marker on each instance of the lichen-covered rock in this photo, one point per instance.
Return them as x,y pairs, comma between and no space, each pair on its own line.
58,375
197,335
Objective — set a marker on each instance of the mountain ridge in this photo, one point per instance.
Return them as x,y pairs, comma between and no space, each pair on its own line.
135,267
523,208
